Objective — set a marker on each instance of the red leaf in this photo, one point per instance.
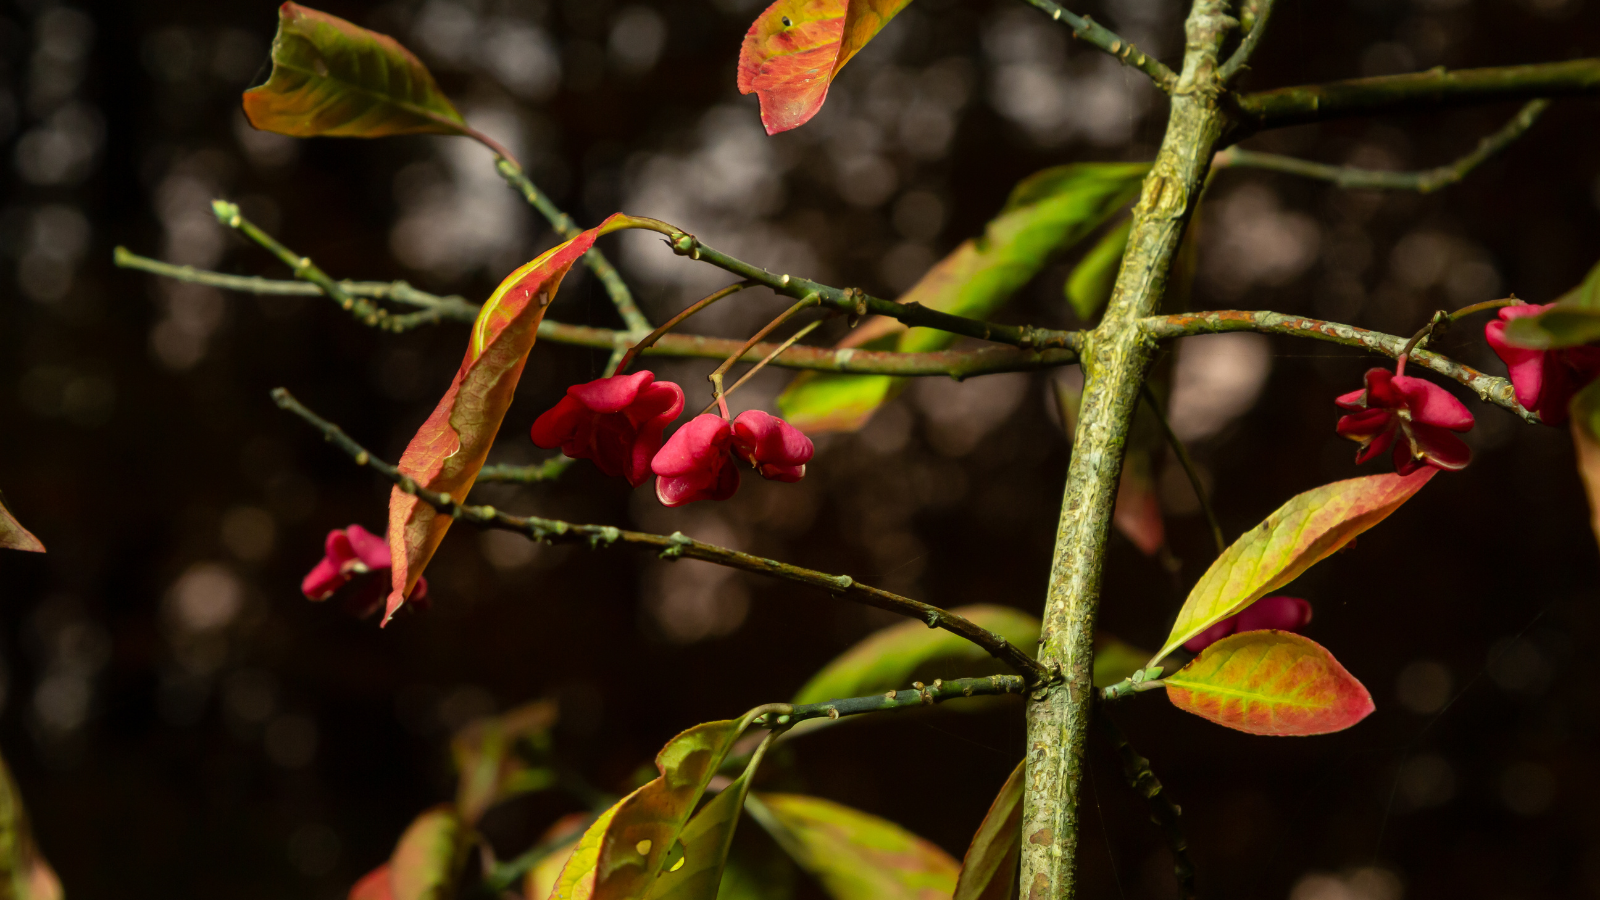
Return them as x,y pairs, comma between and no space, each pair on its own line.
795,49
1271,683
449,449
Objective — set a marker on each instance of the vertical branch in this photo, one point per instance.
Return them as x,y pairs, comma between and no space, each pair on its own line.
1114,359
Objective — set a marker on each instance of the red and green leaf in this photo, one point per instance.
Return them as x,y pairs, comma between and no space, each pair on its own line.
1271,683
425,863
1046,213
856,856
13,536
1301,533
24,873
707,840
488,765
887,659
449,449
989,871
332,78
374,885
795,49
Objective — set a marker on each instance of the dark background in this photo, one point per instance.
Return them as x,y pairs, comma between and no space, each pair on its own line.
184,724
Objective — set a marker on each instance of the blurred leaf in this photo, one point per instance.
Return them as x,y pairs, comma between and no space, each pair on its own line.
989,871
1115,659
13,536
706,841
1089,286
886,659
1137,514
1585,410
1272,683
332,78
854,855
1574,320
576,881
487,764
24,873
795,49
449,449
642,835
427,860
561,838
1301,533
1046,213
373,886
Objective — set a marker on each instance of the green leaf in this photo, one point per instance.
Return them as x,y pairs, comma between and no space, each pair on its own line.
13,536
1585,409
429,856
1271,683
1302,532
1089,286
854,855
989,871
576,881
1047,212
706,841
886,659
24,873
1574,320
332,78
487,763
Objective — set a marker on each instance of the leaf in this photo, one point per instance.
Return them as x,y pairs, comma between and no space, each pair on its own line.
374,885
13,536
1585,409
332,78
1138,511
1272,683
1046,213
576,881
886,659
24,873
1089,286
706,841
425,862
645,826
795,49
856,856
1302,532
989,871
449,449
487,764
1574,320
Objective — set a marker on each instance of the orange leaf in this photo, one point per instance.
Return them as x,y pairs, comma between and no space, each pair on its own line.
795,49
449,449
1272,683
13,536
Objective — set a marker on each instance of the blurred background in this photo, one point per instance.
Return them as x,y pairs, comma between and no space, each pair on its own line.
183,723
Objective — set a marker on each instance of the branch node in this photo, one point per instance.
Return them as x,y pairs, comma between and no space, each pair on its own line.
679,542
843,582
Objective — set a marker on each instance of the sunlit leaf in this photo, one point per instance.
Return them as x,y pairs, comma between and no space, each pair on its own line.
1272,683
429,856
1299,534
333,78
1046,213
887,659
706,841
1115,659
1574,320
795,49
449,449
1089,286
13,536
576,881
1585,410
646,826
989,871
562,838
487,764
24,873
854,855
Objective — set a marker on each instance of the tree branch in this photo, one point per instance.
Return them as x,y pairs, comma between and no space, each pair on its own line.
1164,812
956,364
549,470
919,695
615,287
674,546
1419,91
1425,182
1097,35
1489,388
1253,16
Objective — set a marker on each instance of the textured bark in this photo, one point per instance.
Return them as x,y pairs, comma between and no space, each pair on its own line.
1114,359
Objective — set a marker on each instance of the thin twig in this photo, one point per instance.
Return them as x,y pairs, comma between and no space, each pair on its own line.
615,287
549,470
1188,466
1255,18
650,339
1425,181
1164,812
1097,35
675,546
718,396
762,363
1489,388
919,695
